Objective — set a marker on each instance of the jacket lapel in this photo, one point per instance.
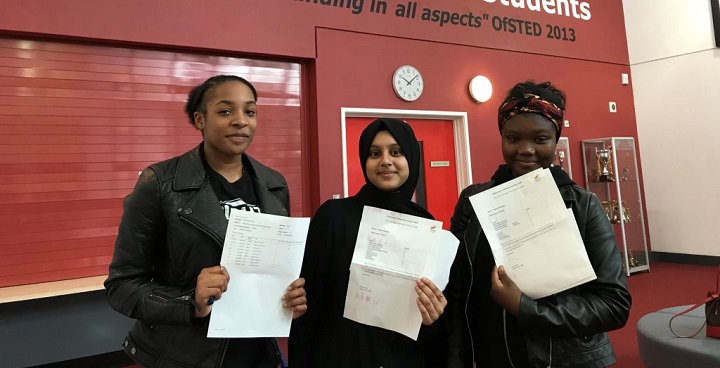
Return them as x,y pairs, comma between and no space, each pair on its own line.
202,209
265,183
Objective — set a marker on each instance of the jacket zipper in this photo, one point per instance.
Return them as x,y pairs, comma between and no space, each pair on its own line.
278,352
185,299
507,347
467,300
223,351
550,356
202,228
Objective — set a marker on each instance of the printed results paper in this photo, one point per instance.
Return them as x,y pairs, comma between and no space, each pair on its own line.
263,254
533,235
391,252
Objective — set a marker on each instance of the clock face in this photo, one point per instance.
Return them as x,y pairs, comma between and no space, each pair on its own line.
407,83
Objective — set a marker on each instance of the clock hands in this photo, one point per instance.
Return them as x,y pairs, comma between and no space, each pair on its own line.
413,78
403,78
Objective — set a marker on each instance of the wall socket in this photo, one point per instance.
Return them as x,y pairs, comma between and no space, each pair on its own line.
566,123
336,196
612,106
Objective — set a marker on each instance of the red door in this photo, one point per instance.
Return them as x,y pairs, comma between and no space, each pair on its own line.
437,188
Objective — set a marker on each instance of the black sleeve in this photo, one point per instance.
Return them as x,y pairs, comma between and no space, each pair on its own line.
315,269
458,340
130,287
598,306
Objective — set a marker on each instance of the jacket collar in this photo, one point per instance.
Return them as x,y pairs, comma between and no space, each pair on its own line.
190,172
203,208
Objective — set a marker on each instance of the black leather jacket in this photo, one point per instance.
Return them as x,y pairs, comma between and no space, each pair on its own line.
563,330
172,227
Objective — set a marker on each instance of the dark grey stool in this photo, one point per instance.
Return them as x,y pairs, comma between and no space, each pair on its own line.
659,348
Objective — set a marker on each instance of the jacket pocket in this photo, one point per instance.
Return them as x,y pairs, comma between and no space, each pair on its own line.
138,350
584,351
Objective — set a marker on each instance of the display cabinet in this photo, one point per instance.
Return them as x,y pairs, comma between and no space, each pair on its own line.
611,173
562,155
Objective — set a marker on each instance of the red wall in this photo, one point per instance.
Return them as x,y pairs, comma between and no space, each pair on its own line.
354,70
348,68
287,27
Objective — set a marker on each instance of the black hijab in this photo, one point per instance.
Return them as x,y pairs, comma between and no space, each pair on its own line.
401,199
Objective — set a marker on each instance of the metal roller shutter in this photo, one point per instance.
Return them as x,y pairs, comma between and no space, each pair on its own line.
77,124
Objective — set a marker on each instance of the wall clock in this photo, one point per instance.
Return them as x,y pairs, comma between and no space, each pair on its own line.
407,83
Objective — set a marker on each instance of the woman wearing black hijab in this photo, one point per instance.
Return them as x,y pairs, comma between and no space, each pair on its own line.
390,157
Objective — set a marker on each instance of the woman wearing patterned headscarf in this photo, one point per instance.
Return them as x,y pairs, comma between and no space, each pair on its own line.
492,322
323,338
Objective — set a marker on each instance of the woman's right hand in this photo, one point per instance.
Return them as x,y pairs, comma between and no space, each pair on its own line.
211,282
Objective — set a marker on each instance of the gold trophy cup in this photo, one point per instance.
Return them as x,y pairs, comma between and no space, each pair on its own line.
604,162
560,155
625,212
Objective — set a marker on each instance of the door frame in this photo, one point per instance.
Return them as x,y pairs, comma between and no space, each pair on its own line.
460,134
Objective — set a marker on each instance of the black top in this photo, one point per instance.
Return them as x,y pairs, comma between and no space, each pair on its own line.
323,338
239,195
499,337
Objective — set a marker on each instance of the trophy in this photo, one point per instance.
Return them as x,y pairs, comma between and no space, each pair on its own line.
632,261
604,162
615,218
560,158
607,206
625,212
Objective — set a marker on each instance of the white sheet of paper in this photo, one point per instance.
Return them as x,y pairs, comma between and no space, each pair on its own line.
263,255
392,251
533,235
446,255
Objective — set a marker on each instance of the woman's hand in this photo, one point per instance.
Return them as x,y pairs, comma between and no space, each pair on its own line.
295,298
431,301
504,290
211,283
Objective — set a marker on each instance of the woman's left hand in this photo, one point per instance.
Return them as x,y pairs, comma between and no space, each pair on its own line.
504,290
430,301
295,298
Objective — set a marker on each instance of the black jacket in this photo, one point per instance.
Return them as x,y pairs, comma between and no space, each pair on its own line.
172,227
562,330
323,338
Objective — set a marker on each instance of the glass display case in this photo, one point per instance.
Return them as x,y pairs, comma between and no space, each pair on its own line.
562,155
611,173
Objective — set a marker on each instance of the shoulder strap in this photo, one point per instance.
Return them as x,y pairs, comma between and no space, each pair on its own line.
696,306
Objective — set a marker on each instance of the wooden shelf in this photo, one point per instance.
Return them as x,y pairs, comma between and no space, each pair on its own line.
49,289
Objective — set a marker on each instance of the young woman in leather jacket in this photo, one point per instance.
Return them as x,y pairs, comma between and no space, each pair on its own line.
166,264
492,322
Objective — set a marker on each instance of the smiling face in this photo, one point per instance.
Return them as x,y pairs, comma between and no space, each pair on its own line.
528,143
228,121
386,166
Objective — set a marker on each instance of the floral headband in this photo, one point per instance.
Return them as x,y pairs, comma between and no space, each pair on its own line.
533,104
